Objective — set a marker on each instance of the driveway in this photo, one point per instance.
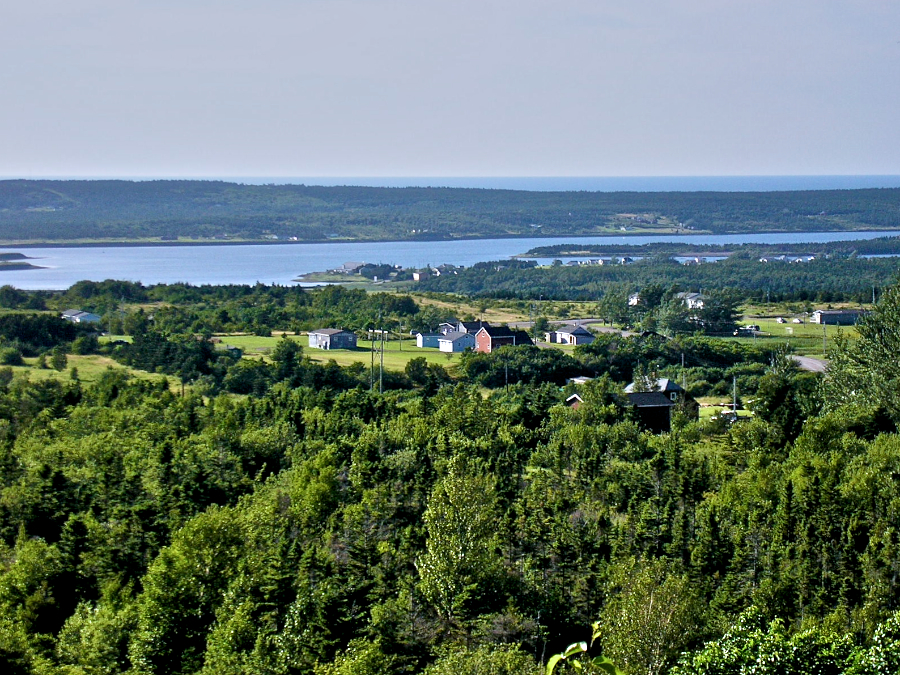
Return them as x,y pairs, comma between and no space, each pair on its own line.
811,364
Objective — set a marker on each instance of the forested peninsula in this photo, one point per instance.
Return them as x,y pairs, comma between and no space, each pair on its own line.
85,211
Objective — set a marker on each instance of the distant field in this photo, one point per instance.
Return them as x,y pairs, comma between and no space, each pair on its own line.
89,367
395,356
806,338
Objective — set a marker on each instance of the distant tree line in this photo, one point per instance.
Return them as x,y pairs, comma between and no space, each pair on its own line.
41,210
837,279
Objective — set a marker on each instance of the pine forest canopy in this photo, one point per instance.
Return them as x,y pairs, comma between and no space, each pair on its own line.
98,210
279,516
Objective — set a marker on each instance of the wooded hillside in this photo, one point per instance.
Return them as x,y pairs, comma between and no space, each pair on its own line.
53,211
453,524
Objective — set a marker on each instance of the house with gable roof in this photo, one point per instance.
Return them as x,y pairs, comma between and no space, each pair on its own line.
332,338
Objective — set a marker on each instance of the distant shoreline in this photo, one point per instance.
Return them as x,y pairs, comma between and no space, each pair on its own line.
256,242
754,183
18,267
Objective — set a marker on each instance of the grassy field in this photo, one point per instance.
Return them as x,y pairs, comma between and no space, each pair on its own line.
395,356
807,339
89,368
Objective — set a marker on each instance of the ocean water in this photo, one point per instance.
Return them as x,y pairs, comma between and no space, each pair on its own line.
283,263
602,183
556,183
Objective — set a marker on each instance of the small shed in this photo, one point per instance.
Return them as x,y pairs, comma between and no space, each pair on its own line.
673,392
654,410
574,401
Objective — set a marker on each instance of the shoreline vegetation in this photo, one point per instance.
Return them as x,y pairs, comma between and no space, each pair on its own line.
193,212
880,246
742,265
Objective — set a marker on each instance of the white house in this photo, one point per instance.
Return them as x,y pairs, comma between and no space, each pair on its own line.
691,300
572,336
78,316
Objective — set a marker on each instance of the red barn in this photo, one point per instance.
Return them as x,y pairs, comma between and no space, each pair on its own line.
489,338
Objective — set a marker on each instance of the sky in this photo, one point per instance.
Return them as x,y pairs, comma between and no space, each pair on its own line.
449,87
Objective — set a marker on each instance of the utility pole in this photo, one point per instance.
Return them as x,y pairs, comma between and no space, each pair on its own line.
381,371
372,354
506,370
824,337
734,394
683,375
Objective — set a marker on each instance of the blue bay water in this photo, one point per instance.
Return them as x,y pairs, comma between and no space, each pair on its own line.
283,263
558,183
612,183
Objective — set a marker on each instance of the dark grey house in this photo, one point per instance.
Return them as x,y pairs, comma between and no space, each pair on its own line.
653,409
332,338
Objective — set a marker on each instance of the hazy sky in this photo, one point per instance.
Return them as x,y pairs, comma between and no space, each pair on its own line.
449,87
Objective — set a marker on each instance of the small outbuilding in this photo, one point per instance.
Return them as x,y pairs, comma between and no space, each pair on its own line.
653,413
654,410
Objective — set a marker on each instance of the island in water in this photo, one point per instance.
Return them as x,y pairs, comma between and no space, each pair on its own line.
16,261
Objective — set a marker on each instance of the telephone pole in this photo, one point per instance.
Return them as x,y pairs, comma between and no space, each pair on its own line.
372,354
734,395
381,371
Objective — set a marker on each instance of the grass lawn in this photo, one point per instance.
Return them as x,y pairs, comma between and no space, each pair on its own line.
90,367
712,406
496,313
805,338
395,357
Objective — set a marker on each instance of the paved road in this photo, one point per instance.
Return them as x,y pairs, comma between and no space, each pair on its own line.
811,364
574,323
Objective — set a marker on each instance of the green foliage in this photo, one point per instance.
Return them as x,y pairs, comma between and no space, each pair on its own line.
867,370
58,359
753,645
86,344
502,660
651,617
460,566
10,356
360,658
34,333
310,525
530,365
826,279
